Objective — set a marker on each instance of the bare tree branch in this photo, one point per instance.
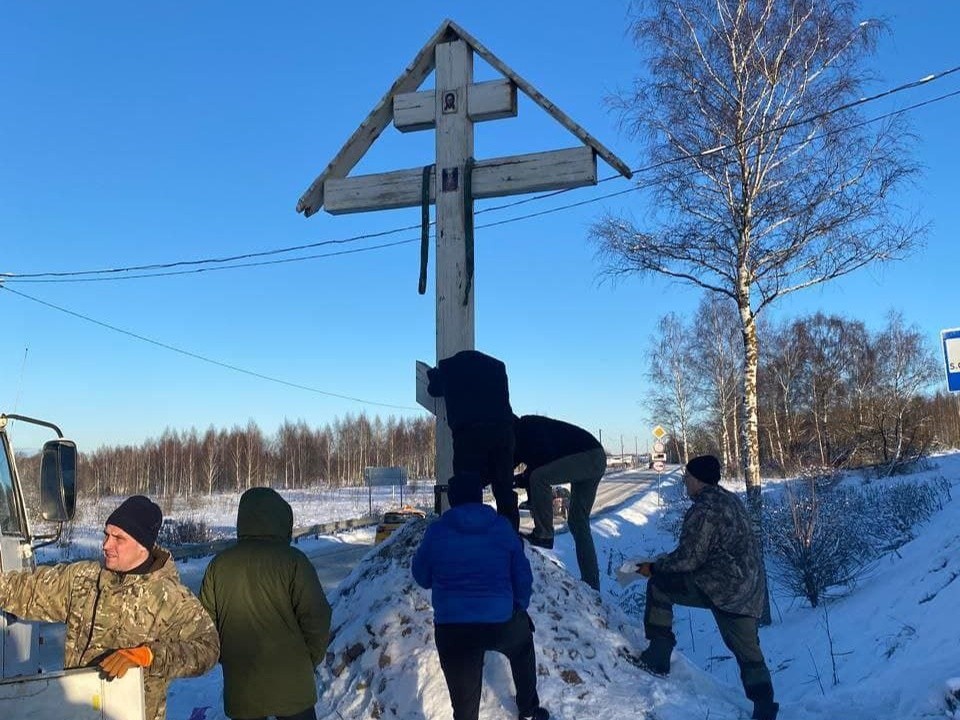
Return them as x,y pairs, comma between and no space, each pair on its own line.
779,190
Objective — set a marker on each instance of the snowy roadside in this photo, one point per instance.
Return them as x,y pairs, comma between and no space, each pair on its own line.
894,636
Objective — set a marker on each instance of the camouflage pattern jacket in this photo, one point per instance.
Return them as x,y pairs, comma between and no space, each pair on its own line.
105,610
719,550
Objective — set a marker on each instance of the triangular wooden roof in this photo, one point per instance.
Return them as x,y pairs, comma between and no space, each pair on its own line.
411,79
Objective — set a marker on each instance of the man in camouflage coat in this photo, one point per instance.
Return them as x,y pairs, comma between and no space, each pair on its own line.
130,611
717,565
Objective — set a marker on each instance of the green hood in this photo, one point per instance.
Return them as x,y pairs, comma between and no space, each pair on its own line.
264,515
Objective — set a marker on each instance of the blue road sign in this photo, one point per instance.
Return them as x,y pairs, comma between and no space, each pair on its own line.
951,355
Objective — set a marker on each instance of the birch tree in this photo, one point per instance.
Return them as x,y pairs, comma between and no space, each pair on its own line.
672,399
760,187
906,368
715,364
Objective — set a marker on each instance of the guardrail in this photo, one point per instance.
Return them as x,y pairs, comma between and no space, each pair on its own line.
197,550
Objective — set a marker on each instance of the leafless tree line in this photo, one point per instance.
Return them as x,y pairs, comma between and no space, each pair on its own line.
187,463
830,392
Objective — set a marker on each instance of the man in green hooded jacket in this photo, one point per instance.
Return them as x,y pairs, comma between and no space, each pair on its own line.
271,613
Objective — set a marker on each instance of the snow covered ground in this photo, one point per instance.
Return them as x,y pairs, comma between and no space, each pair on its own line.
219,513
894,638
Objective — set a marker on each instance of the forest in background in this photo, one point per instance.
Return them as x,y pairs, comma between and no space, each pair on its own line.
831,392
187,462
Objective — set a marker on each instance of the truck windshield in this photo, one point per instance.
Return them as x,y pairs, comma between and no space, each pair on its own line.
9,517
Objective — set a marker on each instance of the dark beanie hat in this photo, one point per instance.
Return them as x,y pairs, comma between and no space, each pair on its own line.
140,518
465,487
705,468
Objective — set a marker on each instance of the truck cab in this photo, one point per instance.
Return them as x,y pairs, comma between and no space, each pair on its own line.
19,648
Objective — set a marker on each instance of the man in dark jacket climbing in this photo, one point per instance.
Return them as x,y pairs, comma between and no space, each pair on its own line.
271,612
473,561
556,452
717,565
477,398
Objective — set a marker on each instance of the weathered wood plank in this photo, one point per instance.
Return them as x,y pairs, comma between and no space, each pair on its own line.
491,100
513,175
537,172
542,101
417,71
454,147
364,136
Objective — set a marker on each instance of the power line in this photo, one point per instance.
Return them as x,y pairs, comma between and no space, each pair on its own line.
25,277
232,258
205,359
196,271
549,211
4,280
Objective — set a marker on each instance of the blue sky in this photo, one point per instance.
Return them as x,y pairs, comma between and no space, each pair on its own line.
134,134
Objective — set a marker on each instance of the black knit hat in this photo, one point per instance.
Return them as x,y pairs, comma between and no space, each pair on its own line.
140,518
465,487
705,468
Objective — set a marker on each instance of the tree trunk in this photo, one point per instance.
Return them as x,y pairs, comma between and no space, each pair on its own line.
751,433
750,444
777,449
735,419
725,437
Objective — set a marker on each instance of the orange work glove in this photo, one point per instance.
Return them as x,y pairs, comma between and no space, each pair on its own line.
119,661
645,569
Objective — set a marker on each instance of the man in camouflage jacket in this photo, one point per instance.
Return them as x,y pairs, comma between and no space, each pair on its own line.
131,610
717,565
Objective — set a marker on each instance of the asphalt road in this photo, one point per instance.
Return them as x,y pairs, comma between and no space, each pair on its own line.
334,562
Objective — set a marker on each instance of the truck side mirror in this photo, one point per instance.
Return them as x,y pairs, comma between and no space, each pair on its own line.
58,480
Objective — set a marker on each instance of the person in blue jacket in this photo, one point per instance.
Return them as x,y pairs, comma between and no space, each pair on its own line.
474,563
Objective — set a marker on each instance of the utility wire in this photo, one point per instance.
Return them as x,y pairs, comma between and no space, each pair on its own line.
217,268
197,356
680,158
41,278
5,280
232,258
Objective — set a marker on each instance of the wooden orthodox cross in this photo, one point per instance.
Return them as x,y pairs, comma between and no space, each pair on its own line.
451,109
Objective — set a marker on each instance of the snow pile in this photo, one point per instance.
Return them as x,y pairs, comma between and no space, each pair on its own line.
382,661
952,698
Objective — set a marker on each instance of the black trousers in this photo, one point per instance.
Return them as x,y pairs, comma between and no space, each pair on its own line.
308,714
488,449
461,647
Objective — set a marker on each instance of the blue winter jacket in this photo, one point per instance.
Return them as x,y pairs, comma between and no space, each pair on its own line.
473,561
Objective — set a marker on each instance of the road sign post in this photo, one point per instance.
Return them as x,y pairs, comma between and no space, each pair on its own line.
659,457
950,339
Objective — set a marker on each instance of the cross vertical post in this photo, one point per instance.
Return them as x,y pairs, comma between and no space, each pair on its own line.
454,146
451,109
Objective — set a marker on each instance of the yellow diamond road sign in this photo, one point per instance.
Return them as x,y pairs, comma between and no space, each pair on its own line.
659,432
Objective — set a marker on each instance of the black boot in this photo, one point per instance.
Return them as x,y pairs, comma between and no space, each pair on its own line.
538,541
765,710
656,658
538,713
